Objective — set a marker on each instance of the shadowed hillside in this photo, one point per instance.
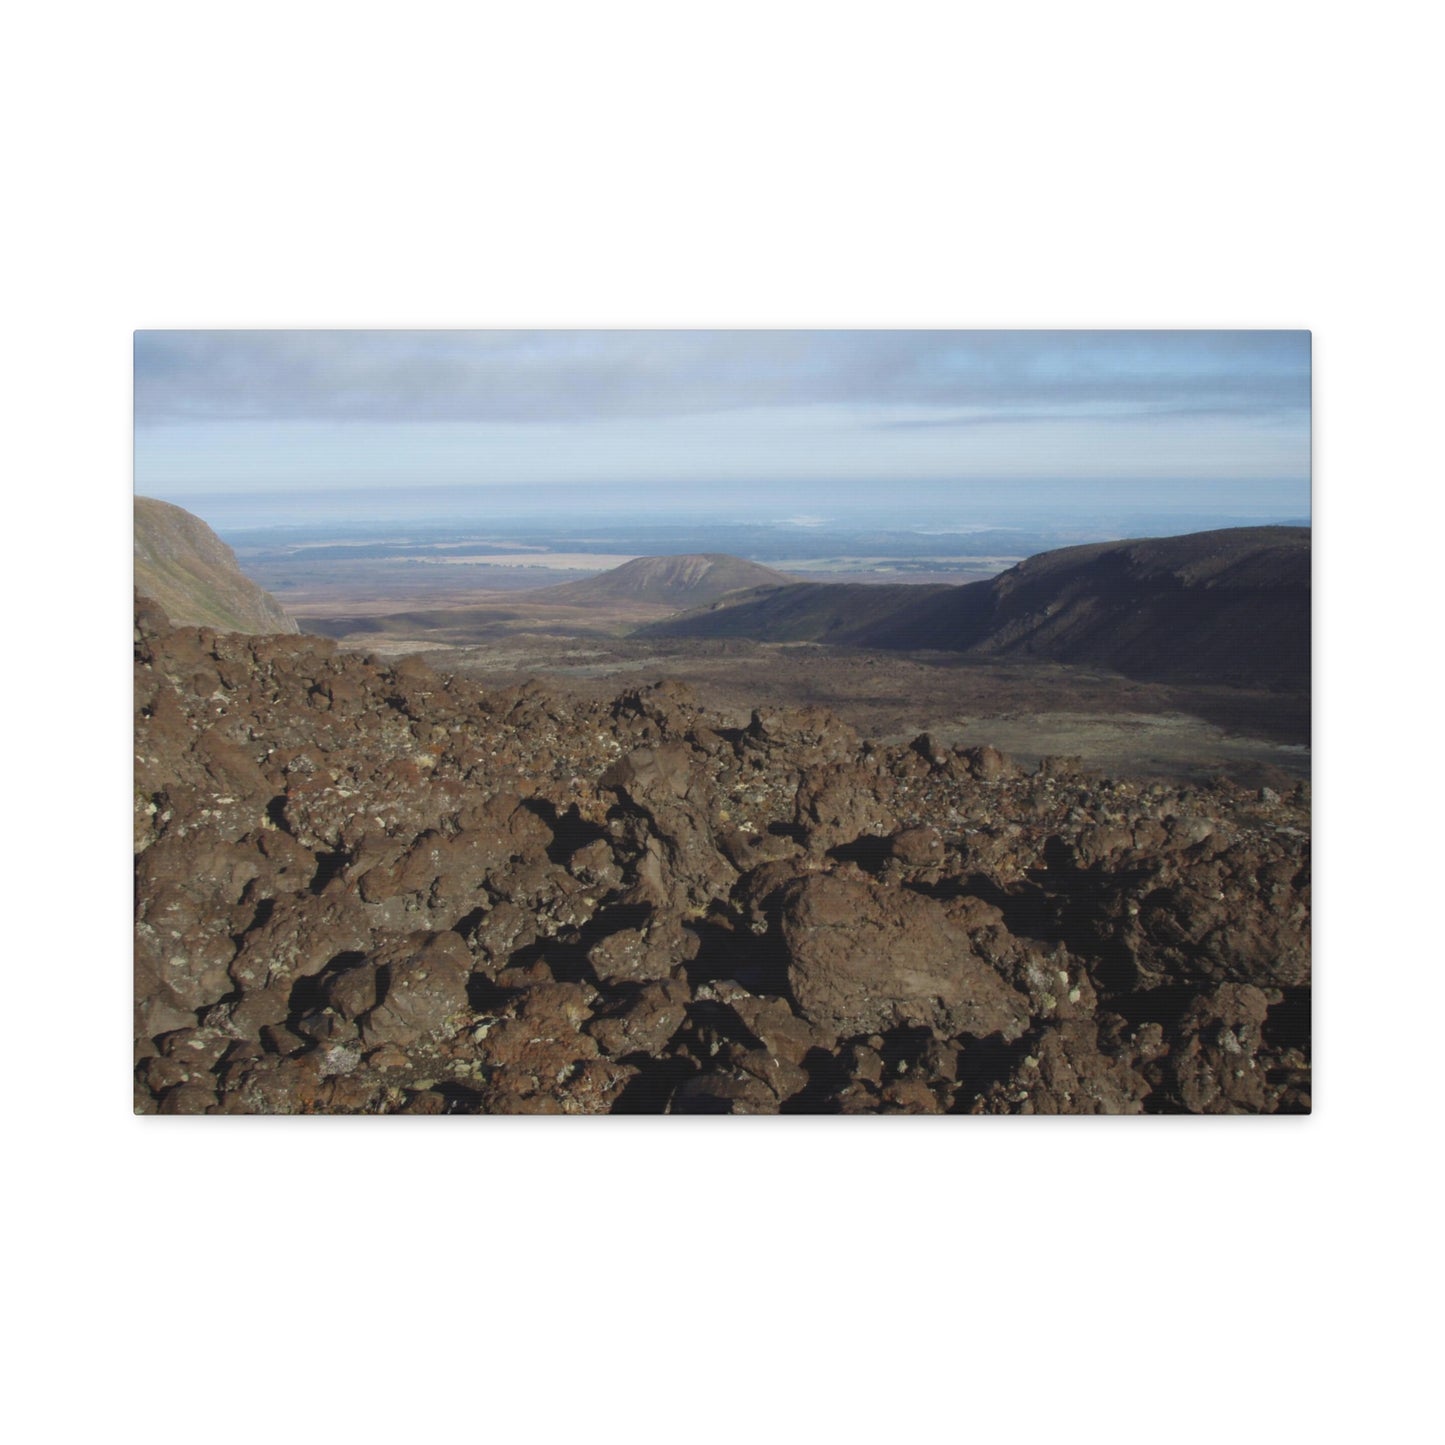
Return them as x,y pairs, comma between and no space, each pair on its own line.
842,613
182,565
1227,606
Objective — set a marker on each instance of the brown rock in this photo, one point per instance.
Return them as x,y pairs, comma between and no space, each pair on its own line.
277,1039
159,1074
652,774
783,1078
539,1045
840,802
189,1099
1213,1066
909,1096
594,1086
250,1014
1061,1071
863,958
355,991
645,1023
634,955
724,1091
426,984
388,1056
920,847
987,764
780,1031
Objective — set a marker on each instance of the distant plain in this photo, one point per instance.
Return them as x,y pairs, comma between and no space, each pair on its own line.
477,601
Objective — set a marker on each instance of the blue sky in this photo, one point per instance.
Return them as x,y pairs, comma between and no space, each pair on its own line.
676,415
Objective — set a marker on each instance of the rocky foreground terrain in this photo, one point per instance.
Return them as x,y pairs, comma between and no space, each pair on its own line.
365,887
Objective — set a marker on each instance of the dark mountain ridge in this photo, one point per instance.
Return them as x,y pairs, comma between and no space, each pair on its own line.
1224,606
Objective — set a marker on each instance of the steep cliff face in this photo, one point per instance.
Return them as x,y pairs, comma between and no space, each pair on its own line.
365,887
184,567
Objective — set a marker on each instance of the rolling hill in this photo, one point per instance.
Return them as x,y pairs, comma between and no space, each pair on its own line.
689,580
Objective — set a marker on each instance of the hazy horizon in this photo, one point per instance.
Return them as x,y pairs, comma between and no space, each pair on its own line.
920,508
950,428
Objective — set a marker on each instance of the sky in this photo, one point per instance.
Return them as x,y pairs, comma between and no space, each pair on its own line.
699,420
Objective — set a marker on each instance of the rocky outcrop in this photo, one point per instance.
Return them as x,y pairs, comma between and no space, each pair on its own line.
186,569
864,958
364,887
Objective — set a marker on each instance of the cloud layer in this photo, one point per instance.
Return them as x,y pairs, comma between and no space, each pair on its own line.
912,378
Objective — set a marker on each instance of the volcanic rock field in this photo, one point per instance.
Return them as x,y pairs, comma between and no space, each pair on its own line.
367,888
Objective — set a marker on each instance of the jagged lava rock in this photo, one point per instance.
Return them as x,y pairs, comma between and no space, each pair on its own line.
863,958
367,887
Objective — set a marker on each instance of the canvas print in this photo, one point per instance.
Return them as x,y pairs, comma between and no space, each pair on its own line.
722,722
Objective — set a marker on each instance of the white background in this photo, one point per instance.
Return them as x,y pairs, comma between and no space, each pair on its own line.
751,164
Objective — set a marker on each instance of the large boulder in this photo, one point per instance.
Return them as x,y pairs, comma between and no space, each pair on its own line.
863,959
423,986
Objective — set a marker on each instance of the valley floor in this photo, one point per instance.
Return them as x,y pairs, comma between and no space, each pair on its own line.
1029,710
